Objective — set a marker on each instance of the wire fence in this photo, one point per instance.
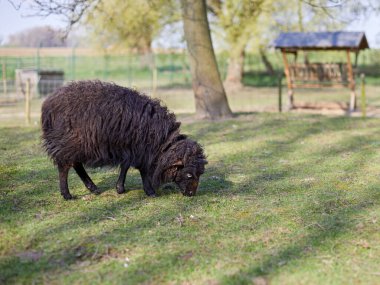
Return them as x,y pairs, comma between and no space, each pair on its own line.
50,68
48,71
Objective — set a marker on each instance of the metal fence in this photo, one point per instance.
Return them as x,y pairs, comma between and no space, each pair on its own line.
146,72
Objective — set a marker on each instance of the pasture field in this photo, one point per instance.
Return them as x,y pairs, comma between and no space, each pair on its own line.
249,99
286,199
172,68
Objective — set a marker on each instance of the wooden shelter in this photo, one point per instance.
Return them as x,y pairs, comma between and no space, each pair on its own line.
318,75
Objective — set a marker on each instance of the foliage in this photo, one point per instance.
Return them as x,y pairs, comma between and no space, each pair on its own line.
286,199
130,24
292,16
237,19
44,36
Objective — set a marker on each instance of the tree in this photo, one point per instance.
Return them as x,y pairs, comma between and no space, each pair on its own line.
45,36
255,23
210,97
130,24
238,20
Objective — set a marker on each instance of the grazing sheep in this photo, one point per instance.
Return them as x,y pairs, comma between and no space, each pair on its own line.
94,123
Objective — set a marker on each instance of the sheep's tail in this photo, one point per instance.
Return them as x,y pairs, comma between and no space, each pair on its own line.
46,121
47,126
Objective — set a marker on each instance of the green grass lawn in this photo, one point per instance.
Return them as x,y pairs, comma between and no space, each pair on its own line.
286,199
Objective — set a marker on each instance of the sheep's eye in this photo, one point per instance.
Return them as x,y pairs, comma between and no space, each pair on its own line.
188,175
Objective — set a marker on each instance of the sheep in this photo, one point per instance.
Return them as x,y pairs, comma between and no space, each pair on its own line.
94,124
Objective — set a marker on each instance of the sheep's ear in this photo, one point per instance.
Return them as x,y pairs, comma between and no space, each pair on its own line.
178,163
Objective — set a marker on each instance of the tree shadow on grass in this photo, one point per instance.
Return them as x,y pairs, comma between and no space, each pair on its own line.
37,262
331,218
118,231
326,228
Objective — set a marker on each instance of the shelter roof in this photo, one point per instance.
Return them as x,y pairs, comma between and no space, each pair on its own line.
321,41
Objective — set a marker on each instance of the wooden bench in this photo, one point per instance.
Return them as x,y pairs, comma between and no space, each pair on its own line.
319,75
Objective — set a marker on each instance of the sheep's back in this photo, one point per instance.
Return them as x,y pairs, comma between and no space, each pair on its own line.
100,123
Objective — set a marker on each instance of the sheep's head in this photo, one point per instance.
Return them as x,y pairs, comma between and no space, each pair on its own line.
185,166
187,176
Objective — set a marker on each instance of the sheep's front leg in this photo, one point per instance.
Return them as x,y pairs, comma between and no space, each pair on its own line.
63,171
147,184
123,173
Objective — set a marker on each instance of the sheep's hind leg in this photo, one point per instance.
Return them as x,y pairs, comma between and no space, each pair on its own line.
79,169
63,173
121,180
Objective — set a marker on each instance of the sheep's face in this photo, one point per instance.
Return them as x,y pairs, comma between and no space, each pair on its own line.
186,165
187,180
188,174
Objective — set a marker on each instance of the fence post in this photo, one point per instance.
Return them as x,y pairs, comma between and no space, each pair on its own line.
73,63
363,96
27,102
154,76
280,93
38,63
171,60
38,67
154,87
184,67
130,69
4,69
105,69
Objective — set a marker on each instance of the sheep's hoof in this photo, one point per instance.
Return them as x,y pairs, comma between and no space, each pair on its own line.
120,190
67,196
95,190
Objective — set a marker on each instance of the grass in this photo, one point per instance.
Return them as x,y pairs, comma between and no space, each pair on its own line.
181,100
286,199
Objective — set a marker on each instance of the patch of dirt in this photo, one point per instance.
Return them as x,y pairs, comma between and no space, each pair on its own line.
260,281
28,256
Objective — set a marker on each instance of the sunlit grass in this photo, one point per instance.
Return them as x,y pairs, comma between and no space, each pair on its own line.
249,99
286,199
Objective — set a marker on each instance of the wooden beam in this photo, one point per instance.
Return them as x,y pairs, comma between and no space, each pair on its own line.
356,58
350,71
318,85
288,81
287,70
352,82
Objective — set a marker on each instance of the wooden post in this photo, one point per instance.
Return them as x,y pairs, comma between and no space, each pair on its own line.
130,69
4,70
356,58
73,57
363,97
27,102
352,83
154,75
280,93
171,66
154,83
288,81
105,67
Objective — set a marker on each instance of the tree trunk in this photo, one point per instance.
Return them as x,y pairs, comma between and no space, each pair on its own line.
235,71
210,98
267,64
144,49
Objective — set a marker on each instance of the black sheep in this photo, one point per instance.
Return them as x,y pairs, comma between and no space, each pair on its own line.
94,123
